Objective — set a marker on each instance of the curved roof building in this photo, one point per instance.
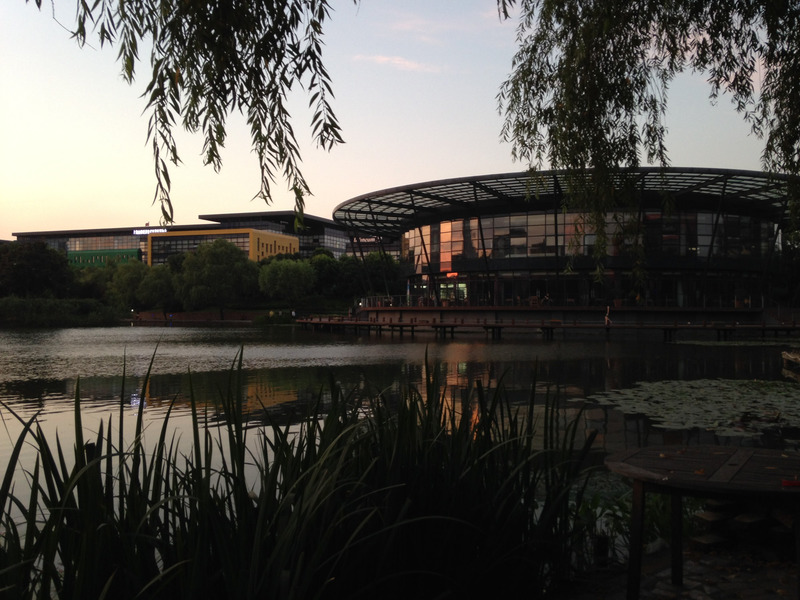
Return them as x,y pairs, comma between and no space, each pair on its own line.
684,237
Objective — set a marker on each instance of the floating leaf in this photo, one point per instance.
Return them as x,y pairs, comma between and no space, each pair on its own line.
725,406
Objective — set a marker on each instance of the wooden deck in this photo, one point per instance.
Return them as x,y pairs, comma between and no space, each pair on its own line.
791,364
547,328
771,477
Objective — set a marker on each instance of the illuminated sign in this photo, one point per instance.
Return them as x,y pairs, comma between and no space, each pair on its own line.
149,230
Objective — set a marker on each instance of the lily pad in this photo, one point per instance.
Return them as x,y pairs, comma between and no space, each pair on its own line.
728,407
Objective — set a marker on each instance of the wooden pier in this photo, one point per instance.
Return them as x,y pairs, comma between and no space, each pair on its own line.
547,328
791,364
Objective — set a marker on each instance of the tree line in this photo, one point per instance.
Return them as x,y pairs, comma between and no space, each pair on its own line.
217,275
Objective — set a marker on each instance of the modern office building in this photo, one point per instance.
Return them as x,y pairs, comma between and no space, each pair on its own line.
258,234
316,233
95,246
680,237
257,245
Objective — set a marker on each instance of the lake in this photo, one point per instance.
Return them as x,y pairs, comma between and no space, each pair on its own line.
641,391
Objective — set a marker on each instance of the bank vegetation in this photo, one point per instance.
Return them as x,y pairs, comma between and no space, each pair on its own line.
359,499
40,288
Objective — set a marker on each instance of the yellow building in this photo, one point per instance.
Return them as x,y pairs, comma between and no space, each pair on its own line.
255,243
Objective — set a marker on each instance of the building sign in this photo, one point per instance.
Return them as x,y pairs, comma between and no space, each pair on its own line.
149,230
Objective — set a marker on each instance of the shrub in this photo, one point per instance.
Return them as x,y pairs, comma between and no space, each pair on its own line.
55,312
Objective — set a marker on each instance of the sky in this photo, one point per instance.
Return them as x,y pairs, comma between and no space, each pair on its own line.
415,84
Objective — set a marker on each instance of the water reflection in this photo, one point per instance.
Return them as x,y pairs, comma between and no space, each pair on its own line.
286,369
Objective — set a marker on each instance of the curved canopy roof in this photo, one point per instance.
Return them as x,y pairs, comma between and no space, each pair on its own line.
393,211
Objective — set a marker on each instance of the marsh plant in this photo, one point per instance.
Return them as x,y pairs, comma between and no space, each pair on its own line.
361,499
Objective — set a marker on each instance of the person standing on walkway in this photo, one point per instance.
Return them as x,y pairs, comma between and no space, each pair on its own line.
608,319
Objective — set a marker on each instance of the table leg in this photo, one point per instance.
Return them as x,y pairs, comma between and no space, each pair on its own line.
637,534
796,528
676,524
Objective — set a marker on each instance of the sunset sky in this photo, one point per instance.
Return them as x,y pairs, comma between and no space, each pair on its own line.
415,84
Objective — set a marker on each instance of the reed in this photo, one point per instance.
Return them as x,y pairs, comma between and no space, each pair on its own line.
361,499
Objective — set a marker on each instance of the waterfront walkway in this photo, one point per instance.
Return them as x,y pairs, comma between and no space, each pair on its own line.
547,328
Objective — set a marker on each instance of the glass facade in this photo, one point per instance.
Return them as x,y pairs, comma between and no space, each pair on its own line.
164,246
113,242
695,234
255,244
693,258
84,258
99,243
329,238
319,233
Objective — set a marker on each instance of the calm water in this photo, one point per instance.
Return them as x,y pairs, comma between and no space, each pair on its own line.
285,368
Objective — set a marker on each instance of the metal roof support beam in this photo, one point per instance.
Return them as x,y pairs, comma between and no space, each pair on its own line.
559,197
431,280
365,280
483,243
711,242
491,192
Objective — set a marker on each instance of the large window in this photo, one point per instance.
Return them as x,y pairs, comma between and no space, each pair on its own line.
698,235
165,246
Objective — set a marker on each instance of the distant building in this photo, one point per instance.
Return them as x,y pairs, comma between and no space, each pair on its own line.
256,244
95,246
258,234
316,233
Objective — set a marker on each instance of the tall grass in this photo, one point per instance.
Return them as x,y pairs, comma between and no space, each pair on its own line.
363,499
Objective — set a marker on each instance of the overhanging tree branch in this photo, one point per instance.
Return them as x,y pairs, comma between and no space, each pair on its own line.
590,80
212,57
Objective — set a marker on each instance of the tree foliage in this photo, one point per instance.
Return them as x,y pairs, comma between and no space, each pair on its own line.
590,79
125,281
210,59
93,281
384,275
327,272
32,269
157,289
287,279
216,274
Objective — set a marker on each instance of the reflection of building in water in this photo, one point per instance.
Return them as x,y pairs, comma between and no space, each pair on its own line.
460,382
261,392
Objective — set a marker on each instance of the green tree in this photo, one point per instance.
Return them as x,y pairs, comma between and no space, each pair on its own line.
124,284
175,262
352,280
157,289
32,269
289,280
590,81
327,274
217,274
384,274
93,281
